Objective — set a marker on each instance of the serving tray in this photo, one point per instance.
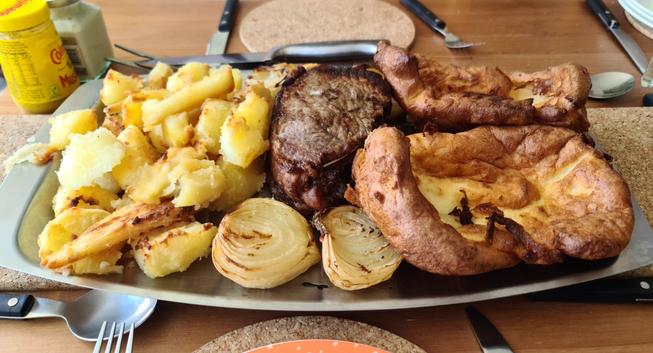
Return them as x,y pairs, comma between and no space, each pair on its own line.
26,206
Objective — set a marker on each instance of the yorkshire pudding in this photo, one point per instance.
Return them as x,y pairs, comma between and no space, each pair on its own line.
453,98
476,201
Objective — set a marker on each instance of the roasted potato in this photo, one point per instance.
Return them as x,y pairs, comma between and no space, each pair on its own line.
244,134
85,197
264,243
187,74
124,224
173,249
75,122
187,98
65,227
138,153
184,174
131,108
177,130
158,76
117,87
208,128
355,255
88,157
240,183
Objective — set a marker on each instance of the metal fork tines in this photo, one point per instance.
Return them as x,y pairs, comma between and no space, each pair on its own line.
452,41
109,338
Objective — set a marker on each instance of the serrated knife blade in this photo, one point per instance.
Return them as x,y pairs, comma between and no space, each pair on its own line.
488,337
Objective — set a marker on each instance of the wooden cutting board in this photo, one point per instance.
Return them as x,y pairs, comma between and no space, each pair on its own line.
624,133
282,22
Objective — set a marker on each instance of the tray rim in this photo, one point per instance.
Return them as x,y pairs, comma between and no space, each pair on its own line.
20,186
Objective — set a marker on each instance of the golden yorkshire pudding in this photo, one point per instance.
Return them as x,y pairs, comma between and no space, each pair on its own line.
481,200
453,98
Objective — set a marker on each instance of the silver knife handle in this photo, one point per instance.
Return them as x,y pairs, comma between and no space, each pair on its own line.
325,51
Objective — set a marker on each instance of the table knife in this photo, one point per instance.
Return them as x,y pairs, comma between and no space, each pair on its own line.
305,52
488,337
630,46
219,40
610,290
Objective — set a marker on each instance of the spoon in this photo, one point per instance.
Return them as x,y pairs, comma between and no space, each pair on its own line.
611,84
83,316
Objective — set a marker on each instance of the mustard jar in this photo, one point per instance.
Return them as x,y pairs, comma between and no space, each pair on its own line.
34,61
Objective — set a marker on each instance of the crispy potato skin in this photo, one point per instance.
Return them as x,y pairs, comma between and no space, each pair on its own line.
452,98
387,191
126,223
567,198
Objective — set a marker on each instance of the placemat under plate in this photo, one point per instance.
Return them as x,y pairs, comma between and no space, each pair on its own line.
307,327
624,133
282,22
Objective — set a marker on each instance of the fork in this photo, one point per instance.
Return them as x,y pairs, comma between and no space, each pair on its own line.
121,332
451,41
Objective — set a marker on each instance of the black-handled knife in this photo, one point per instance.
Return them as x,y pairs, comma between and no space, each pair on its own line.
611,290
424,14
627,42
219,39
488,337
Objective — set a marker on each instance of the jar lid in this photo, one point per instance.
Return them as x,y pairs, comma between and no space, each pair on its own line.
16,15
54,4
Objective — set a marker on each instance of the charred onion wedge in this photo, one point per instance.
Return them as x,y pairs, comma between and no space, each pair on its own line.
264,243
355,255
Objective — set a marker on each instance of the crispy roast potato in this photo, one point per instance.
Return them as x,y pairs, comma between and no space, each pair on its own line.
138,153
452,98
209,126
118,86
75,122
124,224
88,158
85,197
173,249
244,135
355,255
240,183
264,243
158,76
467,203
65,227
188,98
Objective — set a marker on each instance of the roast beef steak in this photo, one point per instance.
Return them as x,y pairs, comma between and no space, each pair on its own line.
321,117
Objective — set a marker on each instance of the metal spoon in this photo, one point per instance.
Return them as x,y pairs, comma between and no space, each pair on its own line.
611,84
84,316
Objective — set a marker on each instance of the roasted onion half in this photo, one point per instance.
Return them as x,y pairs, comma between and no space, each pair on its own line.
355,255
264,243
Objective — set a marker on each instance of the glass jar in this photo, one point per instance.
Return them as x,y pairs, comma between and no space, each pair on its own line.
84,34
34,62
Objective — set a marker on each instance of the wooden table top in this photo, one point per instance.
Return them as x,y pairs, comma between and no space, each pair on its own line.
519,35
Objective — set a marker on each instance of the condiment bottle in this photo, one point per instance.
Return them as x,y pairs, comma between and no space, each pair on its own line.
81,27
34,62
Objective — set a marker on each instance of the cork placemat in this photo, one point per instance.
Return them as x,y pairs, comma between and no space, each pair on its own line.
307,327
14,133
281,22
624,133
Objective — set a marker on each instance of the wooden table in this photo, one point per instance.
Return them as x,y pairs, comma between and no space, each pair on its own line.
528,35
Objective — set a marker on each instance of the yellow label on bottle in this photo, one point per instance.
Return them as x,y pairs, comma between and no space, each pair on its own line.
37,68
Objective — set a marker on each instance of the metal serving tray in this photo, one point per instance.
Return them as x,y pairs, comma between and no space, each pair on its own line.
25,208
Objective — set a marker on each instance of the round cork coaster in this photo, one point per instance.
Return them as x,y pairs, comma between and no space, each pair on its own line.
282,22
642,28
307,327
